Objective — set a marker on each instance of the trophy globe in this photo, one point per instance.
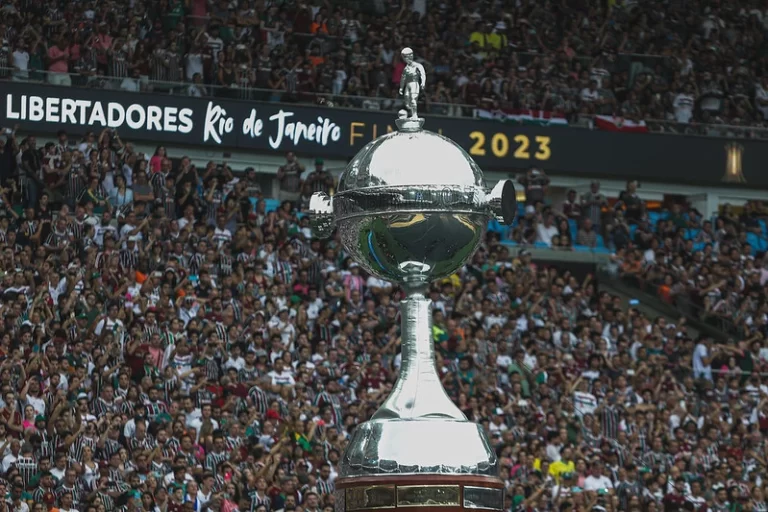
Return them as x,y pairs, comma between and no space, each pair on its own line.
412,207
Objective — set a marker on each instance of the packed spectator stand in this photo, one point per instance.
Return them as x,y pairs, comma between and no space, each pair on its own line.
174,340
668,66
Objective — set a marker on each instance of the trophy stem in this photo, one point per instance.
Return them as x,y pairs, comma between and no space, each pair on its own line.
418,392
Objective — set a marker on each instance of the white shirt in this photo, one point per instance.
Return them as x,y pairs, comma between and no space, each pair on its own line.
194,65
130,85
125,230
553,453
169,478
195,414
58,473
37,403
282,378
340,78
23,507
237,364
375,282
21,62
183,222
699,370
221,235
313,309
100,231
683,105
196,91
545,234
493,427
594,483
8,461
503,361
584,403
109,324
589,95
198,424
216,45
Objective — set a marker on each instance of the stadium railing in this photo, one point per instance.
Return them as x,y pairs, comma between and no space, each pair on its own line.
145,84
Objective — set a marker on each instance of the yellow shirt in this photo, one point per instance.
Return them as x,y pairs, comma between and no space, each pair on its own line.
453,279
488,41
556,468
560,467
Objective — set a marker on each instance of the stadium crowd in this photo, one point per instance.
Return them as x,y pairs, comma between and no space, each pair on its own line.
169,345
714,268
700,64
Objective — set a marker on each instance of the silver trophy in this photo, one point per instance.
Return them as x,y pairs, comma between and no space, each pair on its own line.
412,208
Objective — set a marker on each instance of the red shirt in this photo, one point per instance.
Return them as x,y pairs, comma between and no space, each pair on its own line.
374,380
7,417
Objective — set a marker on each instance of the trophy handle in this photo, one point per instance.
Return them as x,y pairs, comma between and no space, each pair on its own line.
321,214
502,201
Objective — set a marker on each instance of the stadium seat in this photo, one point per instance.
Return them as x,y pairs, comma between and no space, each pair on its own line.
600,241
758,242
494,226
573,228
691,234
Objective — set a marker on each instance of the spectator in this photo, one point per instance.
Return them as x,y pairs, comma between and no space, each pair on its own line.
546,230
702,360
58,63
571,206
592,203
320,180
535,183
289,177
586,235
20,62
630,202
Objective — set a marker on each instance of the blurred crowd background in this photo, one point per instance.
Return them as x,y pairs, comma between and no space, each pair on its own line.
174,339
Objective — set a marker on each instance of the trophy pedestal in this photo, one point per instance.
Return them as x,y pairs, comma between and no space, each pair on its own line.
423,491
427,463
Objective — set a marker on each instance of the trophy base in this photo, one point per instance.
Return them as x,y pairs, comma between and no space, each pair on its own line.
426,463
424,446
425,492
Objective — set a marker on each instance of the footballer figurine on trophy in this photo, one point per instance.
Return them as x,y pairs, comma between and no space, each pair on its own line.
412,81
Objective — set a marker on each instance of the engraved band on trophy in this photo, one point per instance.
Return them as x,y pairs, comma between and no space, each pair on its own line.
412,207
